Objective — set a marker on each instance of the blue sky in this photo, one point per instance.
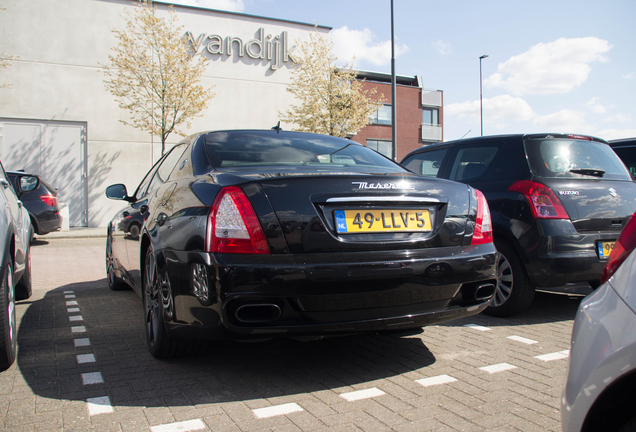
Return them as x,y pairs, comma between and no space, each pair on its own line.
553,66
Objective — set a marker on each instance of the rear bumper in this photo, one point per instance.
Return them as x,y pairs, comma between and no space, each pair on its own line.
556,254
48,221
325,294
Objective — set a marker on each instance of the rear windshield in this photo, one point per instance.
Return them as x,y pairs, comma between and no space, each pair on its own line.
572,158
259,148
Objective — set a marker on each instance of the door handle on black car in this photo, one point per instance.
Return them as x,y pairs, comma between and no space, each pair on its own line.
143,209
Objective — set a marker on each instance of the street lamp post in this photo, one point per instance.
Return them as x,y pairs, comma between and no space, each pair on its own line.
481,106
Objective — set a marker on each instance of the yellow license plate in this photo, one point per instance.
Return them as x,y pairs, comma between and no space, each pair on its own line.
369,221
605,248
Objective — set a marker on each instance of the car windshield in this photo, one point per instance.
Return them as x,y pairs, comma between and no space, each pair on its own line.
261,148
574,158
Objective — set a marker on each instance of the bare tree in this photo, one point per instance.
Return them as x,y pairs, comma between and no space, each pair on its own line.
332,100
155,74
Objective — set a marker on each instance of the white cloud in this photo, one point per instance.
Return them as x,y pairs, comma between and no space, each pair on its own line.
564,121
442,47
621,118
228,5
612,134
548,68
631,75
595,106
497,110
362,45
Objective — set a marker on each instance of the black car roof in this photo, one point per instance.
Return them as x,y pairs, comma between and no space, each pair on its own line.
501,137
623,142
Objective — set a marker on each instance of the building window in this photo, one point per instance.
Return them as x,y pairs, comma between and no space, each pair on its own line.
382,116
381,146
430,116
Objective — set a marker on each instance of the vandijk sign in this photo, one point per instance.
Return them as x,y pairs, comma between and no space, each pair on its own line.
264,47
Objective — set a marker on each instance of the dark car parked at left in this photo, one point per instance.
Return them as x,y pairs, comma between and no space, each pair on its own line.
42,203
254,234
626,150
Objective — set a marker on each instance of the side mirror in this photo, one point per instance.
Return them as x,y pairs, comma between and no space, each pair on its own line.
28,183
117,192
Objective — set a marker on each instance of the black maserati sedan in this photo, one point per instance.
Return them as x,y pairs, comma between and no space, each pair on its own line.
256,234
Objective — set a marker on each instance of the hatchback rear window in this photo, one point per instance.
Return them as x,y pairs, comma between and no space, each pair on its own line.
574,158
257,148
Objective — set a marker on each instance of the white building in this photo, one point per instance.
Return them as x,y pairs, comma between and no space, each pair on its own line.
58,120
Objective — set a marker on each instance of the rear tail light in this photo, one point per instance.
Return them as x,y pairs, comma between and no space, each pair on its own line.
624,246
543,201
483,225
49,200
233,226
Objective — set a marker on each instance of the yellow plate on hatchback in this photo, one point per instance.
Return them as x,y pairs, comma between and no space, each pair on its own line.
605,249
386,220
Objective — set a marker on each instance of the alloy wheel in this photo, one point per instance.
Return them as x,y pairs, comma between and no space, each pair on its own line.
151,298
504,284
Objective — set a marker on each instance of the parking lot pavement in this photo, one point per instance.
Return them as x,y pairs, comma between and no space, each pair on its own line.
83,365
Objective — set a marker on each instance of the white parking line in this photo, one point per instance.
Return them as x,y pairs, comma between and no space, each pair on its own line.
362,394
184,426
522,340
277,410
75,318
78,329
92,378
498,368
477,327
554,356
436,380
85,358
99,405
69,296
71,310
82,342
71,303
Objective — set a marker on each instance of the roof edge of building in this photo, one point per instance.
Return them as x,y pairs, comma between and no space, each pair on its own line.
170,3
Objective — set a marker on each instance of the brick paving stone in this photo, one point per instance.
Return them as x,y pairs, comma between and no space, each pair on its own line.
222,387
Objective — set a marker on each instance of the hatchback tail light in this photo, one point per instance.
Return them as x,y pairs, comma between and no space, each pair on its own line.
543,201
233,226
622,248
49,200
483,225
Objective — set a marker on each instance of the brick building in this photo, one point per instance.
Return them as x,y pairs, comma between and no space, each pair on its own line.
419,115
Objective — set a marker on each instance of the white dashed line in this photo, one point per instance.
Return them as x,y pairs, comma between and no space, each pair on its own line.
92,378
82,342
436,380
75,318
69,292
71,303
99,405
85,358
184,426
78,329
554,356
71,310
522,340
277,410
477,327
69,296
498,368
362,394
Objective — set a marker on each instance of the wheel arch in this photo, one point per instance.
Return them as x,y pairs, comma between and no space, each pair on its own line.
613,408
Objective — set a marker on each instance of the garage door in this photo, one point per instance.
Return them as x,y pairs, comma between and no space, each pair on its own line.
54,150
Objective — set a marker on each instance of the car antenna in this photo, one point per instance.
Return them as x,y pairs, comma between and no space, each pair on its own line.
277,128
466,133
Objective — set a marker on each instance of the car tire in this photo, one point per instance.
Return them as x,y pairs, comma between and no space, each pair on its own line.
114,283
8,323
24,288
514,291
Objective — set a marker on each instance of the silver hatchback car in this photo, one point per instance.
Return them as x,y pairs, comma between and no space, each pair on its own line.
599,392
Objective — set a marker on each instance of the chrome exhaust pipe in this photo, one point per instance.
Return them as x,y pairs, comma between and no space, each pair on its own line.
484,292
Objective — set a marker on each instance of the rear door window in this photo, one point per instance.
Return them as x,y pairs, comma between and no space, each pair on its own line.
471,162
574,158
425,163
